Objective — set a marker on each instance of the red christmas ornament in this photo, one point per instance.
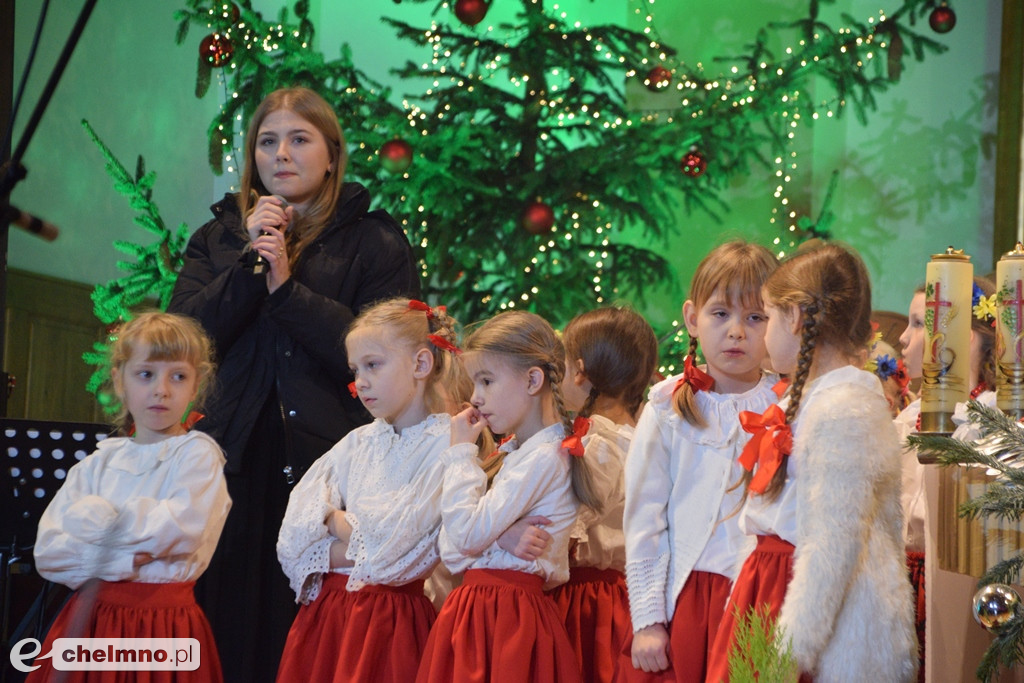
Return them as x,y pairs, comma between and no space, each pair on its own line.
471,12
537,218
942,19
693,163
657,79
216,49
396,156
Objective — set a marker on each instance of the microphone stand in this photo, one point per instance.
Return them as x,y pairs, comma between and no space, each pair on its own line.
14,171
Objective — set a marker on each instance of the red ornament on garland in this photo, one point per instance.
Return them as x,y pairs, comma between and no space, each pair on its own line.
471,12
216,49
658,79
942,19
537,218
693,163
396,156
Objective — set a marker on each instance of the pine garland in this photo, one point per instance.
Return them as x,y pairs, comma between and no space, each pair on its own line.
1000,448
757,655
151,272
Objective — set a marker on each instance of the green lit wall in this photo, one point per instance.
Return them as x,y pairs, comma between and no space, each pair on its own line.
917,177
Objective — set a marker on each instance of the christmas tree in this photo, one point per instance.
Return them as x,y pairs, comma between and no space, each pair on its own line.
999,449
522,173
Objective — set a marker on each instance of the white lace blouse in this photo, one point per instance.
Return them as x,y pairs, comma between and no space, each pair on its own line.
600,541
680,515
168,499
389,484
533,480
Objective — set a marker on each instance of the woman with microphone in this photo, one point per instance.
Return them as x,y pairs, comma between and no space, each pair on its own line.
276,278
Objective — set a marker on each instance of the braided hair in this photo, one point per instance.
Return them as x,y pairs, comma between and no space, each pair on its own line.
447,386
619,351
831,288
526,340
738,270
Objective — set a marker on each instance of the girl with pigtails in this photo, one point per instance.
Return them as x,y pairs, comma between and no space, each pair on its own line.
683,544
359,536
499,625
823,487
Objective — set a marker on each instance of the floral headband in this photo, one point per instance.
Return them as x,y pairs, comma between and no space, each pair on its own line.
984,307
885,366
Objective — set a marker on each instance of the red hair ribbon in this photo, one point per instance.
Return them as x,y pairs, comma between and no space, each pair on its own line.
574,442
415,305
772,440
352,390
443,344
780,387
694,376
190,420
501,443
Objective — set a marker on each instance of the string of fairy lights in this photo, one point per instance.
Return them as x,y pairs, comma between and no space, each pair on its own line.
762,85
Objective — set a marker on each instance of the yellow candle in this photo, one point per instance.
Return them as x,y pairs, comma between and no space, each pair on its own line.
1010,332
947,333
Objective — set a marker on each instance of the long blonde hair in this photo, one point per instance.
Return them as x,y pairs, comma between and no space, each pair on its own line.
313,108
738,270
401,321
170,337
619,351
526,341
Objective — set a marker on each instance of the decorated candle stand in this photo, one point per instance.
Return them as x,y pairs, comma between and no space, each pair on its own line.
947,335
1010,333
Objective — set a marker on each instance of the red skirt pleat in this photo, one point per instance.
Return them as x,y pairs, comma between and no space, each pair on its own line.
375,634
695,622
594,607
102,609
762,581
498,626
915,566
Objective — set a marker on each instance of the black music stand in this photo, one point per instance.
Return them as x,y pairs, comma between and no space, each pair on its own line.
36,458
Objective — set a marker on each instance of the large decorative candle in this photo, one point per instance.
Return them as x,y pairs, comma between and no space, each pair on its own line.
1010,333
947,335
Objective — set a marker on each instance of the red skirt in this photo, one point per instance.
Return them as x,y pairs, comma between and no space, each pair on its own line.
374,634
915,566
763,579
498,626
594,607
127,609
698,614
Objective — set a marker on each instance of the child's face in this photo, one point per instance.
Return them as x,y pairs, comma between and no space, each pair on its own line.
781,337
731,339
157,393
912,339
501,392
386,378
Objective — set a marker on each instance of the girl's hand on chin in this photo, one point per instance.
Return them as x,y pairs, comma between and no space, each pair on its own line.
466,426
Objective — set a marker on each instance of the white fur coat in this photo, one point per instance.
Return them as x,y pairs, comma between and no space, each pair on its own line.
848,608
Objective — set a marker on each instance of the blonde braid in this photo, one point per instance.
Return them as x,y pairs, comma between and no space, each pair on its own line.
685,399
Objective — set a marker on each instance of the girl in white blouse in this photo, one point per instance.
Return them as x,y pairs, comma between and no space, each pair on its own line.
683,545
359,535
824,488
498,625
136,522
611,356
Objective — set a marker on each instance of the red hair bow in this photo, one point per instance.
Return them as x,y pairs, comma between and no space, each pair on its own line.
772,440
352,390
415,305
574,442
443,344
500,444
695,377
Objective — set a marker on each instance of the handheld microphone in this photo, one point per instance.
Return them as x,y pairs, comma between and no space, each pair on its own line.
26,221
259,264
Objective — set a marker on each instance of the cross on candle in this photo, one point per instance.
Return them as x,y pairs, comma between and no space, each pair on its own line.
936,304
1018,304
